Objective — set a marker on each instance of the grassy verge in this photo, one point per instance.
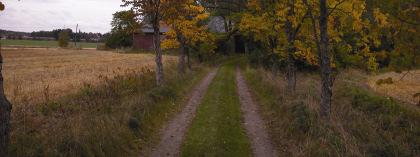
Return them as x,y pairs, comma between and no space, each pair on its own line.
362,124
45,43
117,118
217,126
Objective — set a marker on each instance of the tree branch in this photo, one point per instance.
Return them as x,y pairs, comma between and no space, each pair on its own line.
335,7
408,72
402,20
300,24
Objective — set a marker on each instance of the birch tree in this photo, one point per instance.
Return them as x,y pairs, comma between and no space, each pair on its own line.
152,13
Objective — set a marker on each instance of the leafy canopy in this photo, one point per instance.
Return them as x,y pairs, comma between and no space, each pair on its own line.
184,19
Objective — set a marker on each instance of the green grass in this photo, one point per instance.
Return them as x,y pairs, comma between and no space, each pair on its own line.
45,43
217,127
120,117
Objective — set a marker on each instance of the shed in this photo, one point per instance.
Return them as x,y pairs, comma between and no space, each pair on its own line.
145,41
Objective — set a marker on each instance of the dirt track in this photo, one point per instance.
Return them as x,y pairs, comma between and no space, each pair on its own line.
173,134
254,125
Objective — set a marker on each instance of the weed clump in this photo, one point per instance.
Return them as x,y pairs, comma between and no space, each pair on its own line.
384,81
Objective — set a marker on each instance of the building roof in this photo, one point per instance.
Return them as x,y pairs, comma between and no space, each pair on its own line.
147,28
216,24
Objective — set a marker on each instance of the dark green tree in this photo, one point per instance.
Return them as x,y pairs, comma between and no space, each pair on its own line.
122,24
63,39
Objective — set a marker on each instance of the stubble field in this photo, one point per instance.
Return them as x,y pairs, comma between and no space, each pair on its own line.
402,89
35,76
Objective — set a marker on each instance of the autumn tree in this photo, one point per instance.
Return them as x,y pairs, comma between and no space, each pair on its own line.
304,29
151,11
277,24
263,24
5,108
400,39
183,18
332,22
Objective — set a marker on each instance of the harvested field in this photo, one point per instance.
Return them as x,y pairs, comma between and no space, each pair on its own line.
403,90
33,76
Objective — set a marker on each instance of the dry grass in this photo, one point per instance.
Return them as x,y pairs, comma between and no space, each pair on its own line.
36,75
362,124
403,90
119,116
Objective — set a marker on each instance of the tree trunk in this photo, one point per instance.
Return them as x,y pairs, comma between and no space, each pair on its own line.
291,69
326,93
159,65
5,108
181,67
291,74
188,58
275,65
246,47
232,45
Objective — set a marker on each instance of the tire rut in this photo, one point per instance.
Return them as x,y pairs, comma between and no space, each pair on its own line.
254,125
174,132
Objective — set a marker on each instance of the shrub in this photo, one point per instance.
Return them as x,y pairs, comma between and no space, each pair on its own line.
376,104
119,40
301,115
384,81
258,57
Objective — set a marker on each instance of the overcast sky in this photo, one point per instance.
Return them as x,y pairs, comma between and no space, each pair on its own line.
35,15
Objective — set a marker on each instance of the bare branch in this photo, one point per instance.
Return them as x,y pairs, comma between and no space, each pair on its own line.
408,72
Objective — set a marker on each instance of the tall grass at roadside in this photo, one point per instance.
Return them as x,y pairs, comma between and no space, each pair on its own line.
119,117
362,123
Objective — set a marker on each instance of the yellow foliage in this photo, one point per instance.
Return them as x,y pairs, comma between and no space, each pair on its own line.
180,26
169,44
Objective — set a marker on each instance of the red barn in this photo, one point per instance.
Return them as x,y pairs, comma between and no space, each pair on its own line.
145,41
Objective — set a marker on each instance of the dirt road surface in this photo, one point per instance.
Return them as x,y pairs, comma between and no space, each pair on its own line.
254,125
174,133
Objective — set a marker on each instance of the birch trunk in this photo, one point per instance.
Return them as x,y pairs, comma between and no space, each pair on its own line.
159,65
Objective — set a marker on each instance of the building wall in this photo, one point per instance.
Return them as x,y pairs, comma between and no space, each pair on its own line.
143,42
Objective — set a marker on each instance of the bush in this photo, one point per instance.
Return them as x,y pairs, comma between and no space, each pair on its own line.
301,115
376,104
384,81
258,57
119,40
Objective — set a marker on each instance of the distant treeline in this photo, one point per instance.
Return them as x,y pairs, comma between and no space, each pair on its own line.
53,35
